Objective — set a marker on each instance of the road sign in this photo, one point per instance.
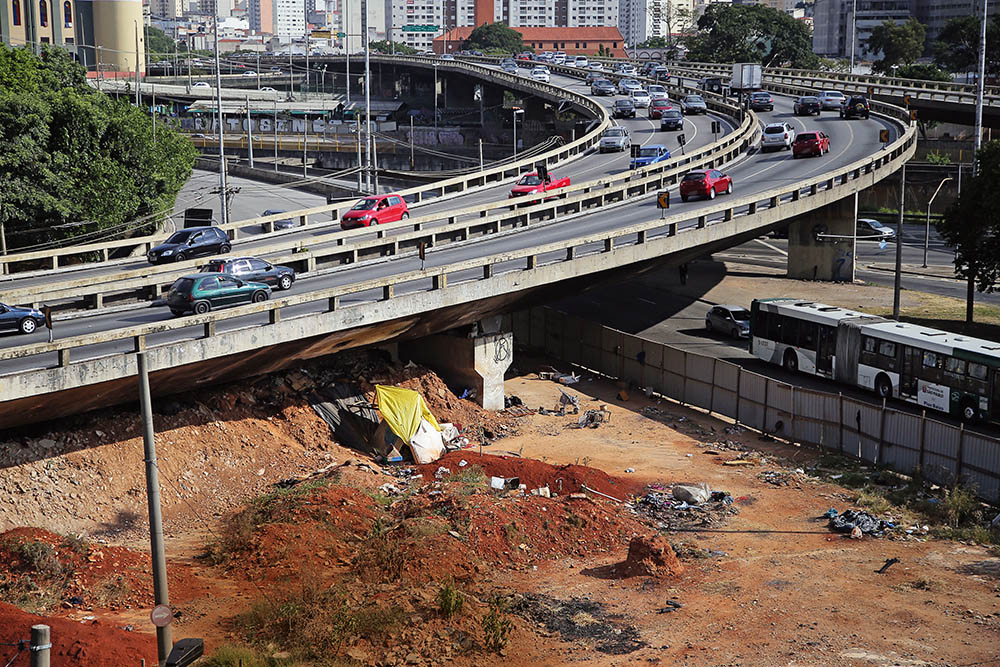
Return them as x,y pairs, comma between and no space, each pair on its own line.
663,199
883,136
681,140
341,35
421,28
161,616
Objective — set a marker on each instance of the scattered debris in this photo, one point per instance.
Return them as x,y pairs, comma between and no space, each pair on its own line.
692,493
863,522
671,513
672,606
594,418
889,562
579,620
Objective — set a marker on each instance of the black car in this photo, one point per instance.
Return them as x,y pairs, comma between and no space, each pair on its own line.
672,119
23,320
856,107
188,243
623,109
284,223
603,87
253,270
761,101
660,73
807,106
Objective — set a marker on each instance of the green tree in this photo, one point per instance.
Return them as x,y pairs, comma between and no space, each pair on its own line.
897,43
159,42
926,72
678,22
751,33
383,46
971,225
495,37
957,46
653,43
76,161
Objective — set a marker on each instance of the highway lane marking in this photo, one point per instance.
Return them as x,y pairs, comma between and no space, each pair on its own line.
772,247
652,303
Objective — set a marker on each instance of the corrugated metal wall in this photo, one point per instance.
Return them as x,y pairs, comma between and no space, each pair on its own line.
901,441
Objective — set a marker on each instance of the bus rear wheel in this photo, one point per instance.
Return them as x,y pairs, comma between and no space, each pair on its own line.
791,361
883,386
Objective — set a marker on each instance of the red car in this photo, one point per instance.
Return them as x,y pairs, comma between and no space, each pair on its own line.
375,210
810,143
705,183
657,107
535,183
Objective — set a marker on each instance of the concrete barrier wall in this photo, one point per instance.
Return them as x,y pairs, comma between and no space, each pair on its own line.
877,434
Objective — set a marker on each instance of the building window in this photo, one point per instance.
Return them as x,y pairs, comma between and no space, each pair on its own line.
67,14
16,11
43,13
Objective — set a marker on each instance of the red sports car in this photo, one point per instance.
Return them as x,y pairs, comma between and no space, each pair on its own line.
534,183
375,210
705,183
810,143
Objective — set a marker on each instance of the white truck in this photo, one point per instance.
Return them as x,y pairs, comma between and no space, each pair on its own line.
746,77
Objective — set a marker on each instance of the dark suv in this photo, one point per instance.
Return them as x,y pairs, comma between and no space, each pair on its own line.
623,109
254,270
188,243
856,107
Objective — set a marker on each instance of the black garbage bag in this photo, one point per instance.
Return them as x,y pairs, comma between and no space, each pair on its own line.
869,525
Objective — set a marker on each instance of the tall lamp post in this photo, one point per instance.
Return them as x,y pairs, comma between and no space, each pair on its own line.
218,102
978,142
517,112
854,32
927,228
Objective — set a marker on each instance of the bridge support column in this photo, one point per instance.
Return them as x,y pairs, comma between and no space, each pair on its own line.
477,362
821,244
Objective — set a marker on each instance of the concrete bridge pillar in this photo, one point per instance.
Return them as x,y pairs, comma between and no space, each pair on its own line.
821,244
477,361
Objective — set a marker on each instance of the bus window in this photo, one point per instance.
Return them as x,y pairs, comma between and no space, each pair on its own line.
887,349
931,360
807,335
954,366
977,371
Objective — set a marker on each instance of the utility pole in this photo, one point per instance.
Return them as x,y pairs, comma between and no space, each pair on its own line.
411,143
249,133
100,68
368,97
898,281
40,646
161,595
480,153
153,87
970,297
854,31
258,70
347,49
927,228
276,135
137,95
357,134
305,144
223,186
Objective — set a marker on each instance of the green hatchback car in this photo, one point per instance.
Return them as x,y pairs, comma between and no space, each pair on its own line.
201,292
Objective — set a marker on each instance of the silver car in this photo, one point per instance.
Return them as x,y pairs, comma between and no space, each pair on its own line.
615,138
626,86
693,104
831,100
731,320
873,230
657,92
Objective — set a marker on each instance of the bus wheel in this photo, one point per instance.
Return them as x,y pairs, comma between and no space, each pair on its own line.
883,387
968,410
791,361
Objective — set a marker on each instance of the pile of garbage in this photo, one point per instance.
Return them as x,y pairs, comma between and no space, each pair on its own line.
685,506
857,523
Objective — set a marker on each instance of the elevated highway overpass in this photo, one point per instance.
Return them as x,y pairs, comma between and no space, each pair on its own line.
370,287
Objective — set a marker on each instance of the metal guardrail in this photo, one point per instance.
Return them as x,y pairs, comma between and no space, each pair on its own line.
600,251
349,247
455,185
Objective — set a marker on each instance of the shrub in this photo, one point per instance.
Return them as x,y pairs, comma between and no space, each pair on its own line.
450,599
959,506
497,625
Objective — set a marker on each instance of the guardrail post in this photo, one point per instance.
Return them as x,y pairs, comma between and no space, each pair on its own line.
752,208
814,188
609,244
440,281
64,357
139,343
96,300
570,253
640,237
530,263
727,215
333,303
274,316
487,271
388,291
702,221
303,220
209,329
774,202
55,262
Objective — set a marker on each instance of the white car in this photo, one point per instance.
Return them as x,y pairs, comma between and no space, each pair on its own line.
201,84
657,92
626,86
559,58
249,73
831,100
539,74
640,98
595,67
581,61
777,136
628,70
268,89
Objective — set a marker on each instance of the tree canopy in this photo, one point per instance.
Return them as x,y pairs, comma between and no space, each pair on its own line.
957,46
678,22
971,225
495,37
898,43
925,71
751,33
399,48
158,41
75,160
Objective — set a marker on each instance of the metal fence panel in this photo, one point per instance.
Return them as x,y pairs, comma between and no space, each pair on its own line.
980,461
724,397
753,388
816,418
653,353
698,389
590,345
611,352
862,426
673,372
901,441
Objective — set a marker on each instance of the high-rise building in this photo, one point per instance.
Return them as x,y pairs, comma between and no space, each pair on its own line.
446,14
285,19
834,24
640,20
105,31
166,9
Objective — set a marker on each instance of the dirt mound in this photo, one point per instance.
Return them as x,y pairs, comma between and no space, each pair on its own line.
535,473
650,556
41,570
92,644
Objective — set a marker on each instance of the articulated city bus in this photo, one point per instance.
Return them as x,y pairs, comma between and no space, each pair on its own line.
943,371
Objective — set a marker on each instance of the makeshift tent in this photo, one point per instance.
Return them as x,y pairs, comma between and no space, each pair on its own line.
406,415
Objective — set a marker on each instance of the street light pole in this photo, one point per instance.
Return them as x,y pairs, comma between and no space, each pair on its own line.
368,97
517,112
898,281
854,32
970,298
927,228
224,216
249,133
